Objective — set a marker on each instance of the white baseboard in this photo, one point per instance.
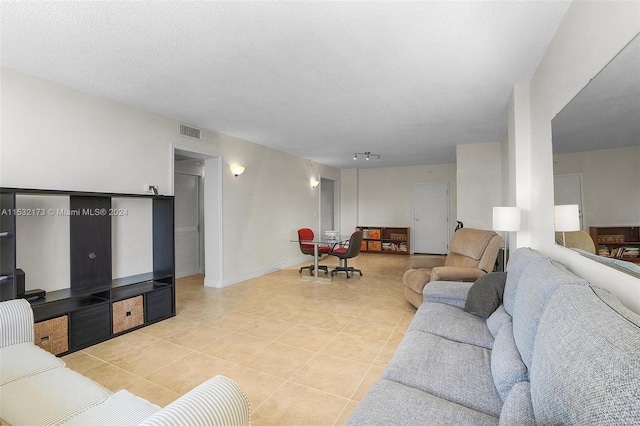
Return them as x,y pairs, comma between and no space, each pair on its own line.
254,274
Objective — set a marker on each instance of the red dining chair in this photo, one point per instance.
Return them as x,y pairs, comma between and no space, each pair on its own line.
347,252
306,234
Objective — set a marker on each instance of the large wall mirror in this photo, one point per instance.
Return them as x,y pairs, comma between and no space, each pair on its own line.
596,153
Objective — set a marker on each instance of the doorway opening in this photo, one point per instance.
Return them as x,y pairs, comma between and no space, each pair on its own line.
197,188
329,205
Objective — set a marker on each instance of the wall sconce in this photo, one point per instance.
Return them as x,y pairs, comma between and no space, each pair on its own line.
314,182
506,219
236,169
566,219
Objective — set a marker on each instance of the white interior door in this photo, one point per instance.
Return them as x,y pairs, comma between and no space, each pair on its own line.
430,232
568,190
187,220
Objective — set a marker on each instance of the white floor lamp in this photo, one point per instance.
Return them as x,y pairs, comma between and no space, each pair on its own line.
506,219
566,219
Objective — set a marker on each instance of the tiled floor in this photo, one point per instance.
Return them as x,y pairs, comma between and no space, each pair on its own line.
304,352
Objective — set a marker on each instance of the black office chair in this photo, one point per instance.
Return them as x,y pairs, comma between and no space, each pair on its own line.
347,252
306,234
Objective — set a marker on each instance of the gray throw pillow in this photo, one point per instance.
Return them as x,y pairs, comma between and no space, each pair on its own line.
485,295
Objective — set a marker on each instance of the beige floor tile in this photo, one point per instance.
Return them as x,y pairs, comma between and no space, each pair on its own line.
278,360
151,392
116,348
368,327
356,348
188,372
368,380
168,327
199,336
331,374
256,386
200,312
267,328
295,404
150,358
111,377
386,354
235,347
389,315
346,413
327,320
305,337
234,320
81,361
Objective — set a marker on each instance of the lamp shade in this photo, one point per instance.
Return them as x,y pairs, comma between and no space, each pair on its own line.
567,218
506,218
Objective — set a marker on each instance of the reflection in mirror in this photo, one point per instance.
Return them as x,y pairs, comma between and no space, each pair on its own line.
596,147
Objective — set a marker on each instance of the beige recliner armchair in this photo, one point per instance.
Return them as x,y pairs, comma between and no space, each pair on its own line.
472,253
576,239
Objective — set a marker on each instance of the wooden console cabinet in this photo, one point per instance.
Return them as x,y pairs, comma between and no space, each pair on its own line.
386,239
95,307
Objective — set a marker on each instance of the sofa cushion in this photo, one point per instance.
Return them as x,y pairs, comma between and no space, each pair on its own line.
485,295
585,367
497,319
452,323
16,322
216,402
121,408
615,304
23,360
449,292
517,408
506,365
538,282
518,262
59,393
454,371
391,403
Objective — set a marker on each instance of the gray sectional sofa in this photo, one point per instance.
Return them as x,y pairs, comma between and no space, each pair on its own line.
37,389
556,351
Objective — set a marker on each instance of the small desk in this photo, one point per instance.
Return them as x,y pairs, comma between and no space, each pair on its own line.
318,241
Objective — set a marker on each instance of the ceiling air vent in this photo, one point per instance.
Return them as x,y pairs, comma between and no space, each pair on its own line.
195,133
190,132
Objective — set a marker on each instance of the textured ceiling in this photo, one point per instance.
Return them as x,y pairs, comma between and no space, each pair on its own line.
320,80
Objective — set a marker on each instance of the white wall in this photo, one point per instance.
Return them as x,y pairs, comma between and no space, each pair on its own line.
479,177
348,201
610,178
37,245
591,34
384,196
55,137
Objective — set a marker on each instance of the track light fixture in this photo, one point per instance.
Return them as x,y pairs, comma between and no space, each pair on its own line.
367,155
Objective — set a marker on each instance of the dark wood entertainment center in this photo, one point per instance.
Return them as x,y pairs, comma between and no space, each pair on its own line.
95,307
